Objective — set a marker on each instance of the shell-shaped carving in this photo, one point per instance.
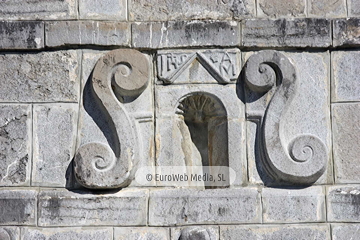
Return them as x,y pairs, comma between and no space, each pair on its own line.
304,159
122,72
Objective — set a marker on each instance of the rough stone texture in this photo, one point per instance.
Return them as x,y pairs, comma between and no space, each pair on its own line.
104,9
293,205
174,144
9,233
309,112
283,8
195,232
345,84
346,32
185,33
345,231
275,232
38,9
61,33
66,233
346,141
18,206
343,203
353,8
15,142
307,32
54,144
21,35
327,8
59,207
144,10
40,77
190,206
137,233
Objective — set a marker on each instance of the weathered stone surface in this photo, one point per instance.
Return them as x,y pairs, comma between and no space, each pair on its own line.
40,77
9,233
345,84
223,114
15,142
293,205
275,232
38,9
104,10
54,143
283,8
346,32
137,233
343,203
29,233
21,35
18,206
143,10
195,232
198,66
346,141
63,208
60,33
190,206
185,33
353,8
345,231
287,33
308,112
327,8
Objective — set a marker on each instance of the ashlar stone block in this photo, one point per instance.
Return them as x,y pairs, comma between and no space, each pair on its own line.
103,10
293,205
283,8
63,33
353,8
169,207
345,84
21,35
24,77
9,233
346,32
15,145
327,8
142,10
30,233
136,233
55,128
195,232
343,203
276,232
345,231
18,206
59,207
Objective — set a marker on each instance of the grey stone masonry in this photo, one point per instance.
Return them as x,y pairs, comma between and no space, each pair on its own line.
326,8
276,232
136,233
144,10
191,206
59,207
345,231
15,145
293,205
18,206
9,233
26,77
195,232
104,9
345,84
54,144
346,32
21,35
343,203
353,8
281,8
101,233
38,9
60,33
346,142
308,32
185,33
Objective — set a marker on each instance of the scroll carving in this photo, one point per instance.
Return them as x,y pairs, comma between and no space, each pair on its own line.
117,75
302,160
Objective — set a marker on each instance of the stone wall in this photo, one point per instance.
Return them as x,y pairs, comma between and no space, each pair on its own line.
94,95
